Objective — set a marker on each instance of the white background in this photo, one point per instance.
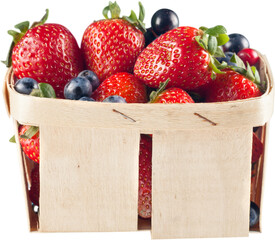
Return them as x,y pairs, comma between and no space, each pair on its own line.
251,18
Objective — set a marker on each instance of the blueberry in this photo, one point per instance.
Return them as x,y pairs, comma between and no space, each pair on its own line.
228,56
236,43
164,20
91,76
77,88
87,99
254,214
25,85
115,99
149,36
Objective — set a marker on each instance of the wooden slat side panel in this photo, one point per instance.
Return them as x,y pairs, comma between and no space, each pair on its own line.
90,184
201,183
26,166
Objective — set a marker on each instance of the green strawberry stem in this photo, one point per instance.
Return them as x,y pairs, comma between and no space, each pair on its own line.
155,94
23,27
30,132
248,71
211,39
114,10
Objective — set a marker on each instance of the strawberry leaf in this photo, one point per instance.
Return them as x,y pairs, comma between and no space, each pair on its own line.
23,26
46,90
222,39
137,22
216,31
113,8
212,45
12,139
30,132
219,52
141,12
237,60
42,20
154,94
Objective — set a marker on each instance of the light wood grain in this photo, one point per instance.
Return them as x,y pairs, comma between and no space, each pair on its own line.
144,117
88,179
201,183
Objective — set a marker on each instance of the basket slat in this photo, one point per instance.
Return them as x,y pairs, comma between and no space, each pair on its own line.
201,183
90,184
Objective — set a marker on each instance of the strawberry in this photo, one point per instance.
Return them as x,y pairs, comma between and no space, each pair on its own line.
35,186
170,95
174,95
112,45
231,86
48,53
257,148
122,84
145,177
30,145
184,55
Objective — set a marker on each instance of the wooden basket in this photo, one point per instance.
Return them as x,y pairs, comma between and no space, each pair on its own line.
201,164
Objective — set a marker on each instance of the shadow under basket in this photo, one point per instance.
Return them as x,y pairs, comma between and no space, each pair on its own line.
89,163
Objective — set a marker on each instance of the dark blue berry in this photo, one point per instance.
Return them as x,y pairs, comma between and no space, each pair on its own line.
228,56
87,99
149,36
236,43
91,76
25,85
254,214
164,20
77,88
115,99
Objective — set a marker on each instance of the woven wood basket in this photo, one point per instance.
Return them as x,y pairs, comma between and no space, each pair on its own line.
89,152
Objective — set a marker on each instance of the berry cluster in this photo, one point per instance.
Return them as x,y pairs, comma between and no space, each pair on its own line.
120,61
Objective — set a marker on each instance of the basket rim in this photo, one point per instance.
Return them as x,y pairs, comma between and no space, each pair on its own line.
253,111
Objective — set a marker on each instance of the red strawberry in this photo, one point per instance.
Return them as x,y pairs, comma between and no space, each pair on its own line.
30,146
173,95
183,55
48,53
123,84
257,148
111,45
145,177
231,86
35,186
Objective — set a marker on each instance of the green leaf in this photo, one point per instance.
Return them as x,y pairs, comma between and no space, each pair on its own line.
113,8
222,39
106,11
154,94
212,45
30,132
23,26
45,17
219,52
256,75
237,60
42,20
203,28
201,42
216,31
213,65
46,90
12,139
141,16
250,74
8,60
